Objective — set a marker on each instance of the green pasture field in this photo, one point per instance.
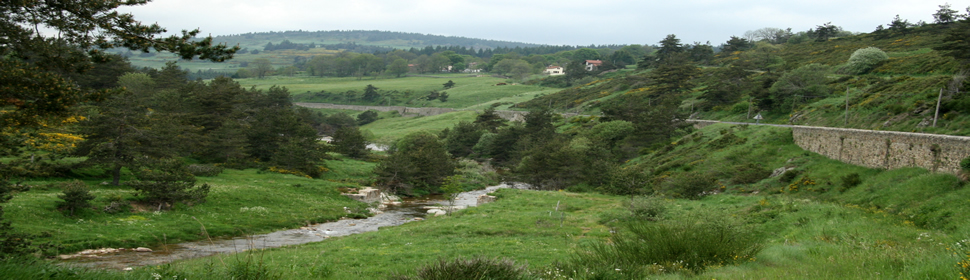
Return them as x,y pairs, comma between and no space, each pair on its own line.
387,130
469,91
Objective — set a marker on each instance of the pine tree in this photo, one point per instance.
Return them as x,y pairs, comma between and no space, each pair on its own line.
350,142
371,94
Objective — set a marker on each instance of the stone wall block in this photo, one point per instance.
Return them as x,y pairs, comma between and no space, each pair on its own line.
885,149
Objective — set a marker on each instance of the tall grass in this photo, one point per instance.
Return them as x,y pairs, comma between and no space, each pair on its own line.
470,269
670,246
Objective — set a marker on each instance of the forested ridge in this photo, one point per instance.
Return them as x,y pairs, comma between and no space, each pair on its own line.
365,37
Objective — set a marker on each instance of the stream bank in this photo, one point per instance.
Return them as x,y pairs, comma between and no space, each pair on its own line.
395,213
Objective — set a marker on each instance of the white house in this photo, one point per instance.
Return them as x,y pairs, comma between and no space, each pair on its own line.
592,64
554,71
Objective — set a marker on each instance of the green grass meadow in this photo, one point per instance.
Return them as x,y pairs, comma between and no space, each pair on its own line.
470,92
892,224
241,202
387,130
802,239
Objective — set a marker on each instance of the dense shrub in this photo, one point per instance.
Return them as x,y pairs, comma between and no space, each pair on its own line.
851,180
205,170
648,207
965,164
475,268
667,246
749,174
865,59
75,197
366,117
808,81
727,140
476,175
626,180
689,185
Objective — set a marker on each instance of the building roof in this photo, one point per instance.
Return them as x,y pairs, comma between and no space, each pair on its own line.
594,62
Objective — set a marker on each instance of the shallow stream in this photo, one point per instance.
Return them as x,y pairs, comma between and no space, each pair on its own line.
393,215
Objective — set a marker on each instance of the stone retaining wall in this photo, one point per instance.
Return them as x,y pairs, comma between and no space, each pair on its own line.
880,149
885,149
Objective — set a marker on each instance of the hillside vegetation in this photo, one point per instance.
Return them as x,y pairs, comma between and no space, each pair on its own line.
799,223
899,93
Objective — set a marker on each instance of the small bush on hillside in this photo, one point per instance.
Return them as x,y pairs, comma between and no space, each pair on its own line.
690,185
366,117
477,175
727,140
749,174
205,170
475,268
75,197
851,180
648,207
798,85
865,59
669,246
741,108
629,180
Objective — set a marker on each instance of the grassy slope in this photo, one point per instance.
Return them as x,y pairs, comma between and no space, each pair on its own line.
288,201
898,95
386,130
819,231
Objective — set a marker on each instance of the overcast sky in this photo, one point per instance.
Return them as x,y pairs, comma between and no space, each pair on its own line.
563,22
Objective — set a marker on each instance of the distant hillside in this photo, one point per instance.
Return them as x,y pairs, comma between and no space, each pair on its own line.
899,93
388,39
